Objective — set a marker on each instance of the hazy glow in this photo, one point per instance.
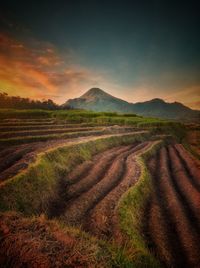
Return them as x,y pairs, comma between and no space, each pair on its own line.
40,71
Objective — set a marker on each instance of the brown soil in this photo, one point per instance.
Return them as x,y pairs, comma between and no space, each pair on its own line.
25,123
34,127
15,158
38,243
191,164
174,222
41,132
101,163
27,120
82,178
102,221
193,138
91,201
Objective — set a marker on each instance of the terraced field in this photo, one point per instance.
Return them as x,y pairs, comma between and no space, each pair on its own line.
173,222
94,188
125,196
193,138
22,140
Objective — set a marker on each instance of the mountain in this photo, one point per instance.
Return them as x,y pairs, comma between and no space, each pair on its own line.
96,99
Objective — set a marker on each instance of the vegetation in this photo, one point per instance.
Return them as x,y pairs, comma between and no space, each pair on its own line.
29,139
131,211
47,243
192,141
17,102
30,191
80,116
98,100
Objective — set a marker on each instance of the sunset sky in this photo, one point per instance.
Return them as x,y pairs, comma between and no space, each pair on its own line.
134,50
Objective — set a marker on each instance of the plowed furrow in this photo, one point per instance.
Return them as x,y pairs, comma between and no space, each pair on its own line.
13,170
176,214
33,127
5,152
159,234
188,195
58,125
190,166
87,168
27,120
162,189
78,208
26,124
102,220
43,132
97,172
13,157
84,175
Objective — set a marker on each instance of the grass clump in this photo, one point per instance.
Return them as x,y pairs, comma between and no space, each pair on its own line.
80,116
37,138
23,114
131,213
45,243
31,191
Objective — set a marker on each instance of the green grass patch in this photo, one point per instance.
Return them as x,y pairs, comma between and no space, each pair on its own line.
69,135
14,113
30,191
131,212
80,116
192,151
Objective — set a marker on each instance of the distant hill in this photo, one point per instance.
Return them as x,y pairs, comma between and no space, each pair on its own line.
96,99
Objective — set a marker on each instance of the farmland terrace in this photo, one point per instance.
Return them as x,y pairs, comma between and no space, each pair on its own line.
97,190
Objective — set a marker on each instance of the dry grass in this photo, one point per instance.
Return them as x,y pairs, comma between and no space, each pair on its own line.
38,242
131,211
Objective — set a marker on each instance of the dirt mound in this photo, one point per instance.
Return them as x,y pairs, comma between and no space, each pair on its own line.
95,187
43,244
173,222
15,158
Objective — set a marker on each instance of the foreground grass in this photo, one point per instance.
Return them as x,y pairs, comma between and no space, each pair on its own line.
192,141
131,212
31,191
38,242
38,138
78,116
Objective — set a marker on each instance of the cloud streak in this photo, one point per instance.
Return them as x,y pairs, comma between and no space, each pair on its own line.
39,71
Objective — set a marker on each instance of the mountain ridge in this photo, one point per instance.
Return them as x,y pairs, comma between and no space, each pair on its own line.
98,100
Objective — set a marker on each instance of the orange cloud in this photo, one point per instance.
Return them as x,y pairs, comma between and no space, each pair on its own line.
194,105
38,71
186,94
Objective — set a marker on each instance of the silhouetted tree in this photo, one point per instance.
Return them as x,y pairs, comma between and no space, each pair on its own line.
16,102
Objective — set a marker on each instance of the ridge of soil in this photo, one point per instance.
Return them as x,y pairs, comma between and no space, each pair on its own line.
91,195
174,212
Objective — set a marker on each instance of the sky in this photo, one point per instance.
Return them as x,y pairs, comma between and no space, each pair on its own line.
134,50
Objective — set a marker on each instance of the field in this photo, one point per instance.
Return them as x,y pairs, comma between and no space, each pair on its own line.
83,189
193,139
173,210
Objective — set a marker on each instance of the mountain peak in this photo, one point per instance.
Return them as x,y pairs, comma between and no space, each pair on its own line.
96,99
157,100
94,92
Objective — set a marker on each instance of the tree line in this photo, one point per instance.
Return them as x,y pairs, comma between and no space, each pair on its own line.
17,102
